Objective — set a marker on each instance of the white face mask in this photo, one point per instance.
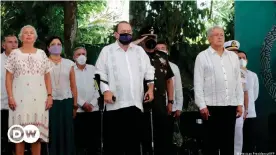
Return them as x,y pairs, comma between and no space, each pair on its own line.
243,63
81,59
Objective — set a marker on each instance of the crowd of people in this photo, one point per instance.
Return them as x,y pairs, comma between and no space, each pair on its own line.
142,95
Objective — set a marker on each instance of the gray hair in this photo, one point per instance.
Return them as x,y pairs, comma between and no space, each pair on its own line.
26,26
210,30
77,48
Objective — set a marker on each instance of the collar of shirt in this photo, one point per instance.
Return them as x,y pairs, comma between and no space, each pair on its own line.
117,46
214,51
4,55
77,68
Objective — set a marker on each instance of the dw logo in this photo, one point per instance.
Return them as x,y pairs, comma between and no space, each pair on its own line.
18,134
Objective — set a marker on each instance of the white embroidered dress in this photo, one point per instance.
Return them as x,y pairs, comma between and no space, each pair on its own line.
29,89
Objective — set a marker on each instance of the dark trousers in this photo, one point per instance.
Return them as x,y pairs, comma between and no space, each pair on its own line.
61,128
88,132
162,134
173,149
6,147
249,135
121,131
220,130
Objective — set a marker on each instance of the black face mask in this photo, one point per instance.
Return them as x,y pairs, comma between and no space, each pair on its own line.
150,44
125,38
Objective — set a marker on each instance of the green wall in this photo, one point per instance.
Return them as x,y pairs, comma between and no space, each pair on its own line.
253,21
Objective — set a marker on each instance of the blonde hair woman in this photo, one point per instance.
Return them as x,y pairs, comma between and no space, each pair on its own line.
28,84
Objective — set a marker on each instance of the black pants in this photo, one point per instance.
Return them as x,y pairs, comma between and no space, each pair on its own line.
88,132
162,134
219,130
6,147
173,150
121,131
249,135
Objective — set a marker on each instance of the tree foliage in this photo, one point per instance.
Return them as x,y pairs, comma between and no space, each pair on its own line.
48,19
179,23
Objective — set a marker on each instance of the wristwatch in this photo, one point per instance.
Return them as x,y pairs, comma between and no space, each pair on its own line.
171,101
50,95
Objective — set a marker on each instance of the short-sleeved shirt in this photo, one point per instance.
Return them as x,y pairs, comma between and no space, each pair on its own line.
60,78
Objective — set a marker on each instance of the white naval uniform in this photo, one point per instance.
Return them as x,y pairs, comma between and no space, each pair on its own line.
239,121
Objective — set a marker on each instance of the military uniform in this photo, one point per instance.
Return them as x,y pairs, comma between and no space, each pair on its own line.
161,123
163,72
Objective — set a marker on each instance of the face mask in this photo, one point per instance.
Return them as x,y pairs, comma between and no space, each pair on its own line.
164,51
243,63
150,44
81,60
55,49
125,38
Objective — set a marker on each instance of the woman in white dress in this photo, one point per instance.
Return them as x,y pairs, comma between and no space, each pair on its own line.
29,89
64,98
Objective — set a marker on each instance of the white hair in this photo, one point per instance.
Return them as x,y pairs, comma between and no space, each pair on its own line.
77,48
210,30
27,26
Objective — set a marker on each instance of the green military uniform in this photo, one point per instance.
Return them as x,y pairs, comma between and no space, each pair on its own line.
160,120
163,72
161,123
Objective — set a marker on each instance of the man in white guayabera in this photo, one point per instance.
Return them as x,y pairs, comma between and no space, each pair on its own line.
123,67
218,93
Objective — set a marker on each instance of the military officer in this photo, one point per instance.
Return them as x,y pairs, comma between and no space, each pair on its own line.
234,46
157,126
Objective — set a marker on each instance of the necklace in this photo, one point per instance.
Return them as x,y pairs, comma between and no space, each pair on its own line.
57,81
56,61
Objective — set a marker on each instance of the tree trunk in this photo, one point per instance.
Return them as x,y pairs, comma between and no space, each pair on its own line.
70,26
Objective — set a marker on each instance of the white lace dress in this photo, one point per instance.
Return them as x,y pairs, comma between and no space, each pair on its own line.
29,89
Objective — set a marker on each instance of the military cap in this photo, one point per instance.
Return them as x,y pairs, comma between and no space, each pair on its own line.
148,31
232,45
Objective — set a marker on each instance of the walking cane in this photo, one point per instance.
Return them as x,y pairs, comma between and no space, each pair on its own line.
101,105
151,126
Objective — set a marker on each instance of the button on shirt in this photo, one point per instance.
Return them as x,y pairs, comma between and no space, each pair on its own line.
4,95
253,93
86,87
217,79
125,72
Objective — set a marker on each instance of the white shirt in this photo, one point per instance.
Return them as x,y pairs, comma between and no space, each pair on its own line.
253,93
217,79
4,95
177,84
60,78
244,80
86,87
125,72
